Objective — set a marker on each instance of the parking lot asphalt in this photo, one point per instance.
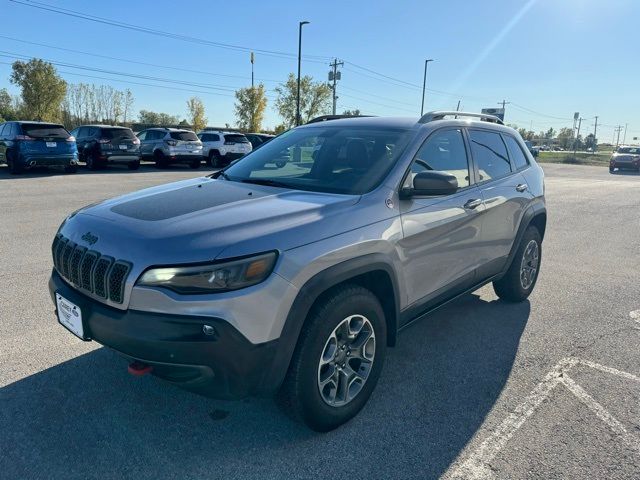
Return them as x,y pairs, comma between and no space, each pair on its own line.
549,388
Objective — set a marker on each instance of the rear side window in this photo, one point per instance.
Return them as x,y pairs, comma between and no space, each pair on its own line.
38,130
490,154
515,152
443,151
184,136
4,129
117,133
235,138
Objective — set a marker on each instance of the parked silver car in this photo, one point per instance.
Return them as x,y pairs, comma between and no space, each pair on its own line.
258,279
221,148
167,146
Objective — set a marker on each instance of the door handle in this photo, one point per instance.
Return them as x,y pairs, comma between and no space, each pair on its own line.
473,203
522,187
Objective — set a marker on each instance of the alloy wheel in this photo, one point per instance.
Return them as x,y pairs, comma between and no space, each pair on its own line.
529,264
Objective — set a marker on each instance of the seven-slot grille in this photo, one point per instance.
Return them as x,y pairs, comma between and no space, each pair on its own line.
88,270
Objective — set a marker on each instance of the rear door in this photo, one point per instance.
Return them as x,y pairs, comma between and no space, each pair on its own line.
504,193
4,130
442,234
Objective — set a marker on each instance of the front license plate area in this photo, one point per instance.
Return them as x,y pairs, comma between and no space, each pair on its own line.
70,316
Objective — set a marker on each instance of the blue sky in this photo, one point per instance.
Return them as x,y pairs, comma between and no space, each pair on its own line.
550,58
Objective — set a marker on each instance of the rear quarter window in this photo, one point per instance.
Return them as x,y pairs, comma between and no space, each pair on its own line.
515,152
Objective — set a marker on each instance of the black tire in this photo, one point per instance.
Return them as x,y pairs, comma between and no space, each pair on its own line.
215,160
300,394
92,162
611,169
14,167
195,164
160,160
510,287
134,165
281,163
70,169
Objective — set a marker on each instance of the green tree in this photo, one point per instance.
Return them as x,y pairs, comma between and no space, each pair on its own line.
147,117
196,113
355,112
526,134
590,141
42,89
8,107
550,134
250,105
315,99
565,137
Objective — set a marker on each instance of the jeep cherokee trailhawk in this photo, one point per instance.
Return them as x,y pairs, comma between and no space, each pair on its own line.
261,280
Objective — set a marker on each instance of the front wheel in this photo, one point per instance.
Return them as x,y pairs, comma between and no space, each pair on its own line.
517,284
214,160
161,162
338,359
611,169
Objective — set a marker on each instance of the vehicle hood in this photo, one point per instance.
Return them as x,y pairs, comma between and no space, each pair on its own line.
202,219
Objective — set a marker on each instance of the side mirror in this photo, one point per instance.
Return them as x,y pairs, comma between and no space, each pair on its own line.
432,183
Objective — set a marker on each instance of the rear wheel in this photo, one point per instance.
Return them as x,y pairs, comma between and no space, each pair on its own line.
92,161
338,359
611,169
215,160
517,284
160,159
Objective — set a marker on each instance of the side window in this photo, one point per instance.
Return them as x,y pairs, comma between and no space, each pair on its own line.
142,135
515,152
82,132
490,154
443,151
14,130
3,127
214,137
74,132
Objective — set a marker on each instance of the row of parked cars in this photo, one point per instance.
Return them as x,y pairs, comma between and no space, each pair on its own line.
25,145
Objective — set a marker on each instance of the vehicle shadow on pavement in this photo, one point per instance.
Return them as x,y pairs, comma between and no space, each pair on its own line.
87,418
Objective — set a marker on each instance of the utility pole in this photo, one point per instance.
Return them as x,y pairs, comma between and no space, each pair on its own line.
617,130
300,24
251,70
503,103
424,83
595,139
575,142
335,75
624,139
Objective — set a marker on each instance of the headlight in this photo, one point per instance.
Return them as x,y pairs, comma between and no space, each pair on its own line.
213,277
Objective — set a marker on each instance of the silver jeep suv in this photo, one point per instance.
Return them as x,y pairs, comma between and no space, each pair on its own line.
295,280
167,146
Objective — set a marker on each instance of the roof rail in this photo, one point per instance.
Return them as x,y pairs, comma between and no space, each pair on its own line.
325,118
439,115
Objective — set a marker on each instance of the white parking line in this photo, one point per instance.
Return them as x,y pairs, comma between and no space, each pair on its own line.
477,465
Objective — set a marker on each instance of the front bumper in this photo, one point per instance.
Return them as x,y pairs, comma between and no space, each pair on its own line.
625,165
223,365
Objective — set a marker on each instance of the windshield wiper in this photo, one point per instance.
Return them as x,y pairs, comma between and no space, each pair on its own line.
266,181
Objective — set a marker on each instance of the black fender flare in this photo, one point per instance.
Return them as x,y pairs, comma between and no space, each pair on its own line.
534,211
310,292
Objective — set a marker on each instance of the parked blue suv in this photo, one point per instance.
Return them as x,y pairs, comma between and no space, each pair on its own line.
25,145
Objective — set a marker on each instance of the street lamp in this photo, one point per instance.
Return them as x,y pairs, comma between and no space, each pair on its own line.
424,84
299,61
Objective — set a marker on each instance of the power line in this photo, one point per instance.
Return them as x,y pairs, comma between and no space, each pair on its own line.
160,33
180,69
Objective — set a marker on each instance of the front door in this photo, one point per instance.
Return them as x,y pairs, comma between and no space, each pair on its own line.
441,234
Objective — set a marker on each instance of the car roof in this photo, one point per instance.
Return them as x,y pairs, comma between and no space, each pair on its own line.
411,122
103,126
37,123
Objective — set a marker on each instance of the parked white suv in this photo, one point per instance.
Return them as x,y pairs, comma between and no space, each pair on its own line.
221,148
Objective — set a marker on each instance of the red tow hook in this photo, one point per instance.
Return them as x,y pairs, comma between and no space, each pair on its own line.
138,368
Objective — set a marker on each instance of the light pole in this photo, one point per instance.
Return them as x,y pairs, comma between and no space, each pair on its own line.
299,63
424,83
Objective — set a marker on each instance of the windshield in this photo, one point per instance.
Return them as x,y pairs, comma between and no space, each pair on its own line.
629,150
117,133
38,130
184,136
351,160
